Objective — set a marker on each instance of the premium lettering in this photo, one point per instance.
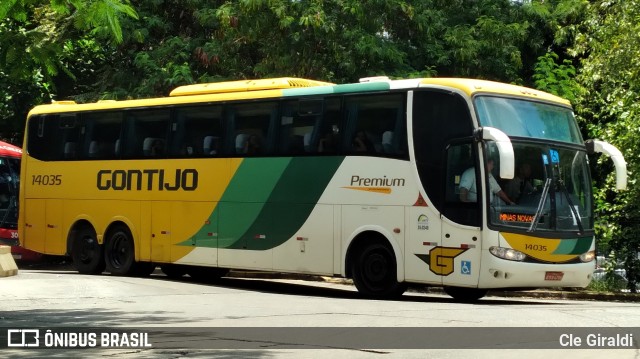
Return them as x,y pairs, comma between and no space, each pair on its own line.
377,182
148,180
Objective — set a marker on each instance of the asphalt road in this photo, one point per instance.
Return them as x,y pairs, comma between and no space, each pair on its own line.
182,317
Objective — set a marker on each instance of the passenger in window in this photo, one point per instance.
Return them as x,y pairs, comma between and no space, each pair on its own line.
469,192
521,183
328,143
253,145
186,150
157,148
211,145
361,143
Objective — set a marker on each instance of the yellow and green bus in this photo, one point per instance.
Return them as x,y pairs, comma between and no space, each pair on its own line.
363,180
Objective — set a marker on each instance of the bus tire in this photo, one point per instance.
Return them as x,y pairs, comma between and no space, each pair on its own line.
86,253
375,272
465,295
119,252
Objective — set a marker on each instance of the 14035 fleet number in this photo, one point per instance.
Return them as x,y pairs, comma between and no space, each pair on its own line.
46,180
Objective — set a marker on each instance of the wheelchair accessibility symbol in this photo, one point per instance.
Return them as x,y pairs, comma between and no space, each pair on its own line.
465,267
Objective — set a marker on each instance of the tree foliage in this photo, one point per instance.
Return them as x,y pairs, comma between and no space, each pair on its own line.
175,43
35,36
610,68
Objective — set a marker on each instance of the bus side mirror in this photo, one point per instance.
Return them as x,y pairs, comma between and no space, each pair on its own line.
597,146
504,146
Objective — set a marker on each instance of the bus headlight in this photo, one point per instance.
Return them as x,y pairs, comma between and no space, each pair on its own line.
507,253
588,257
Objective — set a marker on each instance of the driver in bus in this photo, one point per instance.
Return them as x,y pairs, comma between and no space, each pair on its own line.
469,192
521,183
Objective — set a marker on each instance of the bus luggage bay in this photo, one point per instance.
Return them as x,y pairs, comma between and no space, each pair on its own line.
459,183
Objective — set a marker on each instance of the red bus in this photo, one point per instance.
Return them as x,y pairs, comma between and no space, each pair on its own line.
9,189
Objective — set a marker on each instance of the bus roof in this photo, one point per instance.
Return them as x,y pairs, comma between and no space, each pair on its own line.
287,86
473,86
245,85
7,149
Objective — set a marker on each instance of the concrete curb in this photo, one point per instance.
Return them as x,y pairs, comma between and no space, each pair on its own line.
8,265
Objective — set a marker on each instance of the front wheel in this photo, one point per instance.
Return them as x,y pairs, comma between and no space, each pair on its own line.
86,252
465,295
375,274
119,252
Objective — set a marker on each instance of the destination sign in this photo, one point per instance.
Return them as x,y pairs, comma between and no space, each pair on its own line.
516,217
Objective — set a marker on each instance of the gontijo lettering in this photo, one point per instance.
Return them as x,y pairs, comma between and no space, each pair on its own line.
148,180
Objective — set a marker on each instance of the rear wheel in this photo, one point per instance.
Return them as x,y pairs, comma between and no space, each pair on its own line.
86,252
375,274
465,295
119,252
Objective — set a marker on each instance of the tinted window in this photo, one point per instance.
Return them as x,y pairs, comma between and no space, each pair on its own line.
54,137
103,131
375,125
251,133
438,119
145,133
197,131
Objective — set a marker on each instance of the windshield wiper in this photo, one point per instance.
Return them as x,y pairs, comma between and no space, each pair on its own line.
543,200
573,209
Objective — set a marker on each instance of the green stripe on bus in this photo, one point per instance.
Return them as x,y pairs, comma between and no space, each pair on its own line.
362,87
291,202
574,246
245,196
267,201
317,90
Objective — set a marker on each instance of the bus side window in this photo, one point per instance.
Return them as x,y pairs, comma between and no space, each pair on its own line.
253,128
459,159
196,131
102,130
375,126
298,120
328,131
152,124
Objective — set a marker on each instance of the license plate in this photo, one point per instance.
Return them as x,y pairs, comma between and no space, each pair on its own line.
553,275
17,256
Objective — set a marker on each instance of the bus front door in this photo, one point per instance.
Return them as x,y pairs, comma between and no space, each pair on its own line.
460,254
422,243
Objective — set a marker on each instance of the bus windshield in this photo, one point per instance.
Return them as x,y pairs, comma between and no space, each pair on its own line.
521,118
551,190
